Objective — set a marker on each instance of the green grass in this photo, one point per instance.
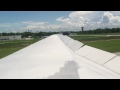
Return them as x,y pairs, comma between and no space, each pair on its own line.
9,47
4,52
110,45
102,34
94,38
100,42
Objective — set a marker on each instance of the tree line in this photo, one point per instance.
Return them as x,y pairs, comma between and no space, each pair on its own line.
27,34
101,31
40,34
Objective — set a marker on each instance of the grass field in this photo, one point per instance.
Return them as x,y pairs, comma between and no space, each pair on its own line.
110,44
8,47
107,43
94,37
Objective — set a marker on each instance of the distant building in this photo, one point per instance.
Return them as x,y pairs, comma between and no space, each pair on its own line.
16,37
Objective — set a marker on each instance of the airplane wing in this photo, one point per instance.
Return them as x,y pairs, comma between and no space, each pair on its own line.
60,57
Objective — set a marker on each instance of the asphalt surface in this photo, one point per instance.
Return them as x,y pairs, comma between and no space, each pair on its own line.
118,53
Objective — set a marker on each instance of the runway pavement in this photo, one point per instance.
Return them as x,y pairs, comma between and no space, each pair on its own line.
118,53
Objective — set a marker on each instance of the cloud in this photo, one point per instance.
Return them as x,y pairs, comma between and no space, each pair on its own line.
35,23
73,22
62,19
80,13
110,18
75,19
5,25
106,17
91,19
41,26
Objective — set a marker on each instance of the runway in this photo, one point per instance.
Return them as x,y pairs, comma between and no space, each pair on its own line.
117,53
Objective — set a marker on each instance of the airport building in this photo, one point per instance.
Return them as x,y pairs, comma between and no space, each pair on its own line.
16,37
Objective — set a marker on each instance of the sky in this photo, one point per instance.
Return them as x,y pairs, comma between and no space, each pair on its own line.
20,21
